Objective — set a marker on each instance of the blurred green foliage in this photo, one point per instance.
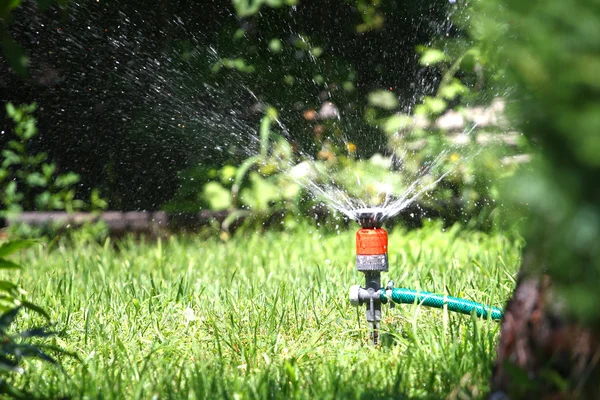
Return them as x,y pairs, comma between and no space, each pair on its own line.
246,8
471,161
16,347
28,181
550,52
261,183
464,118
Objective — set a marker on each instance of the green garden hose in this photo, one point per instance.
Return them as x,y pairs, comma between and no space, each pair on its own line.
409,296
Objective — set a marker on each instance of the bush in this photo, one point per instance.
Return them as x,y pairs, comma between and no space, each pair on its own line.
549,52
28,181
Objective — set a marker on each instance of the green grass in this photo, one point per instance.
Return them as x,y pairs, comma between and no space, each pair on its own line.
264,316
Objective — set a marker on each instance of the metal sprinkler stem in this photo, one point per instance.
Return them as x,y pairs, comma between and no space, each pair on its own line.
371,259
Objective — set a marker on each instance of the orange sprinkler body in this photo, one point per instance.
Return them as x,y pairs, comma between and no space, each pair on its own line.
371,241
372,260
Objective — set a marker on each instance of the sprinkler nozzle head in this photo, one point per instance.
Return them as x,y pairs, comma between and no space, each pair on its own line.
370,217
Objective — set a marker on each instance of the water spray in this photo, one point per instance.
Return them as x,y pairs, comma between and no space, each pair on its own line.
372,260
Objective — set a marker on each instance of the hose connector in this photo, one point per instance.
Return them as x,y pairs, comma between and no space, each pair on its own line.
359,296
355,295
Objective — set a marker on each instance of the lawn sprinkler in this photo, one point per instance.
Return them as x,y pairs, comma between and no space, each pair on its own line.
372,260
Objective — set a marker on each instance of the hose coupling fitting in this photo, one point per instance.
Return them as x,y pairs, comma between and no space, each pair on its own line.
359,296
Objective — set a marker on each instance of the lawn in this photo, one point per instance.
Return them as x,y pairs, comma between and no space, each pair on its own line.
263,315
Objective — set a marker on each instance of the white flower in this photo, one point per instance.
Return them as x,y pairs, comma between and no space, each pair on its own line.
189,315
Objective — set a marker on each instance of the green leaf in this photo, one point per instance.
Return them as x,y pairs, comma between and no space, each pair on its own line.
10,158
246,8
60,350
42,201
56,203
302,43
36,308
66,180
29,128
36,179
8,317
217,197
316,51
452,90
383,99
41,331
16,146
48,170
97,202
32,351
227,174
7,248
11,111
8,287
396,123
349,86
7,264
38,158
432,57
11,196
238,64
434,104
239,34
275,45
261,194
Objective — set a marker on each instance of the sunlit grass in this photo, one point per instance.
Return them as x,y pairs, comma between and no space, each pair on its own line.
264,316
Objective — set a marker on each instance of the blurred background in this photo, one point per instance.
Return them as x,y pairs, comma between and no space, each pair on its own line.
158,105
